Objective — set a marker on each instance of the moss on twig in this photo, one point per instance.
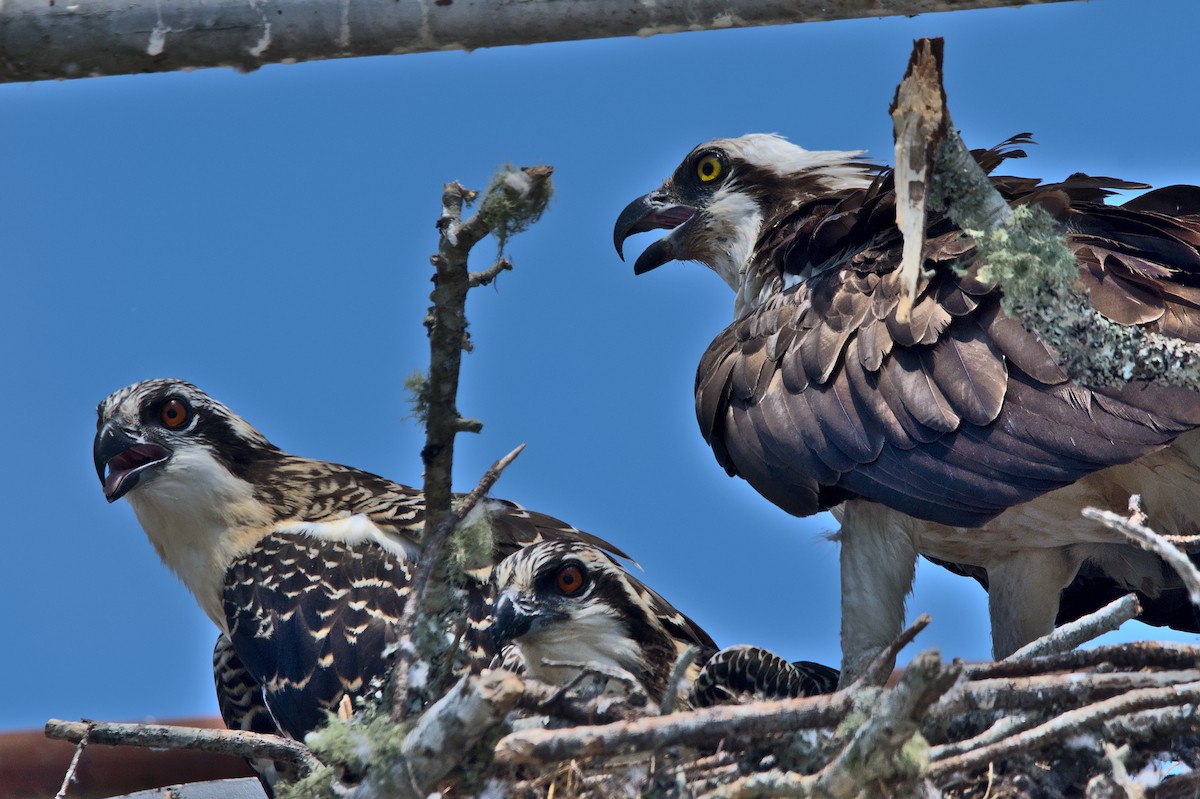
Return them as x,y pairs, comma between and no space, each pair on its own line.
515,199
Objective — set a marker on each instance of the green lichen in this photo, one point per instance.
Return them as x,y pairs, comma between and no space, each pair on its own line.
367,742
904,762
864,700
913,757
1031,262
417,386
1028,256
473,545
515,199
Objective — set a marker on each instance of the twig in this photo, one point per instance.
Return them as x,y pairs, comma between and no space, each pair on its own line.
707,727
447,326
1120,773
1135,655
1082,630
406,651
69,777
634,695
542,699
491,273
1022,251
880,669
919,122
1033,693
514,198
1157,724
161,736
1004,727
1068,723
1153,542
889,746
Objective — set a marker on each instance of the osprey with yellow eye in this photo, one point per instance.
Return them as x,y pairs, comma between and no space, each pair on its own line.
953,433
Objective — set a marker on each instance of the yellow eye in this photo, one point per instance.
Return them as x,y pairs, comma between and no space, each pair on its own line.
569,580
708,168
174,413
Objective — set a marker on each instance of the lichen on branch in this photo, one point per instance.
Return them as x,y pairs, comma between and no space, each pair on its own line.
515,199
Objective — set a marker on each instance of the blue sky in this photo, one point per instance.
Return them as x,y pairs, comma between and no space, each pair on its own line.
266,236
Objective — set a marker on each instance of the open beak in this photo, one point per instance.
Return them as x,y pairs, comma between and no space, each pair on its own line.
127,460
650,212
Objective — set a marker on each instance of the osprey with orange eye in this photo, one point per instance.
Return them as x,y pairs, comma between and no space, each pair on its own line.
174,413
570,579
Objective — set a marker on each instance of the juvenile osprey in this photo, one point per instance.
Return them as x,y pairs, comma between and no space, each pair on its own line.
303,565
955,434
569,602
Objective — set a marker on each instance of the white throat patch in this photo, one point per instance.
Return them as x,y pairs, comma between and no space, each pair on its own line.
190,510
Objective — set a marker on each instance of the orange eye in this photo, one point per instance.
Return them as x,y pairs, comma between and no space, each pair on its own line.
569,580
174,413
708,168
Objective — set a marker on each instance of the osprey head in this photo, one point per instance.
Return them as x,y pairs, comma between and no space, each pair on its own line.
718,198
543,585
566,601
151,428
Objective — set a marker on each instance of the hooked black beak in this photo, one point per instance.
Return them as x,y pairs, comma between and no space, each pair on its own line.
649,212
128,460
508,622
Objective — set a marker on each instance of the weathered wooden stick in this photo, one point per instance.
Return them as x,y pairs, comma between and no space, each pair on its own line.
700,728
162,736
1082,630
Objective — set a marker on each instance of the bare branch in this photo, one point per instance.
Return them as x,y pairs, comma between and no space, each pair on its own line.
1034,692
1151,541
515,197
543,699
491,273
447,326
1069,723
889,745
919,123
43,40
69,777
162,736
1003,728
406,650
1082,630
880,669
1135,655
700,728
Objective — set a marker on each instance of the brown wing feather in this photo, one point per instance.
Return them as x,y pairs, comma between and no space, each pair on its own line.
958,412
312,621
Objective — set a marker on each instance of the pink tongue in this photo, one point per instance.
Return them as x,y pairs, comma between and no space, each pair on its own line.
110,482
120,466
674,216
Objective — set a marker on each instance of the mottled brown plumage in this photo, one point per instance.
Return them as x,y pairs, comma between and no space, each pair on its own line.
958,422
605,615
958,413
303,565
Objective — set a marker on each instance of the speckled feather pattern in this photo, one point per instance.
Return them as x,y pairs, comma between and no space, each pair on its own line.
303,564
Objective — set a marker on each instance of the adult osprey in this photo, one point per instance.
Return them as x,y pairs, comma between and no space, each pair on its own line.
954,434
303,565
564,602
